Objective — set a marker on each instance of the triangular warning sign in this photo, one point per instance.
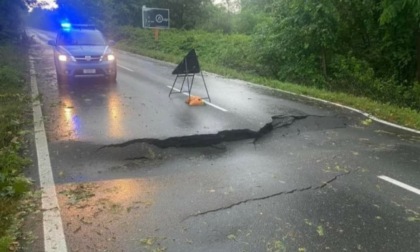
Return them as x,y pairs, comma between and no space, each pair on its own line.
189,65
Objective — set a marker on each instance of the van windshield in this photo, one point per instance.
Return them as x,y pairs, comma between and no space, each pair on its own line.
81,37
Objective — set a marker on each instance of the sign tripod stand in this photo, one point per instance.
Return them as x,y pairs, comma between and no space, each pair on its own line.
188,68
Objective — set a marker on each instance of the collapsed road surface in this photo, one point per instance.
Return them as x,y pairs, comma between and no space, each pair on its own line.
206,140
138,171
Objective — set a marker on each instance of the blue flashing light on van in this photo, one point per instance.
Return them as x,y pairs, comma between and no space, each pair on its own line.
65,25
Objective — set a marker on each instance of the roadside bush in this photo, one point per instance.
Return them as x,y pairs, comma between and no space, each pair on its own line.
12,184
412,95
356,77
11,79
225,50
416,94
352,75
13,101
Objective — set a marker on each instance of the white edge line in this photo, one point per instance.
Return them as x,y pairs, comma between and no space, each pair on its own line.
54,239
206,102
365,114
215,106
339,105
126,68
400,184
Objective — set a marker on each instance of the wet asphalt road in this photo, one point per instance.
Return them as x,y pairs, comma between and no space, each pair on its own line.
309,184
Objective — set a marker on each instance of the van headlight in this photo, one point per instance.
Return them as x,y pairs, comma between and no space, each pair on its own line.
110,57
62,58
65,58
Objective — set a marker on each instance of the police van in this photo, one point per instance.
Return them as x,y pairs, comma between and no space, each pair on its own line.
81,51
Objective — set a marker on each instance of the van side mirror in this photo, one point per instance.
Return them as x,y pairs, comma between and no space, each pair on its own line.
111,43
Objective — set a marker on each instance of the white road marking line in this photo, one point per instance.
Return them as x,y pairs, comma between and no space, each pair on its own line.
126,68
215,106
54,239
400,184
341,106
206,102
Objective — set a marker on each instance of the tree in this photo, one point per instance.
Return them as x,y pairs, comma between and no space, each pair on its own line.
297,43
10,17
402,18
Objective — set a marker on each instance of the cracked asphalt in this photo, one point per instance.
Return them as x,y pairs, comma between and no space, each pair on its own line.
138,171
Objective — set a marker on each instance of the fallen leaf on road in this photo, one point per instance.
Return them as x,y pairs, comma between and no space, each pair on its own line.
320,230
367,122
77,229
231,237
413,219
148,241
277,246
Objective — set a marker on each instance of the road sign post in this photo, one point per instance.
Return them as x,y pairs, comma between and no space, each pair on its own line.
155,18
156,33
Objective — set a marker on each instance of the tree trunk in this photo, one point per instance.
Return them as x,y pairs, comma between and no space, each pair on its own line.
324,62
418,56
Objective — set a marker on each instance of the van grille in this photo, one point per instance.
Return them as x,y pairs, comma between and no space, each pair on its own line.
95,58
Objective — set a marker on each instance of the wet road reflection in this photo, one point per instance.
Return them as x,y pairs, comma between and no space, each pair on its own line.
114,116
69,123
89,109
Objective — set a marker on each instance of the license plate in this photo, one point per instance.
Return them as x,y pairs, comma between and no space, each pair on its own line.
89,71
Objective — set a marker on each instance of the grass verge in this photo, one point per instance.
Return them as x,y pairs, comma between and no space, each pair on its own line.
399,115
15,196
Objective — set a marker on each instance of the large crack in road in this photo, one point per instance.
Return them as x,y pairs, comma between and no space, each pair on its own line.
270,196
211,140
208,140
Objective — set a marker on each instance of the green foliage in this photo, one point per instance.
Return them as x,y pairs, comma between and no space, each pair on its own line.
354,75
218,20
392,9
5,242
297,42
342,46
248,20
12,184
232,51
10,22
13,101
9,77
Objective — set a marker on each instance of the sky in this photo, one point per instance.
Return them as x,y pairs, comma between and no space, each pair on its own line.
47,4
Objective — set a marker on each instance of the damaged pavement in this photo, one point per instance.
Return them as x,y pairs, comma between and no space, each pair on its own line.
212,140
208,140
